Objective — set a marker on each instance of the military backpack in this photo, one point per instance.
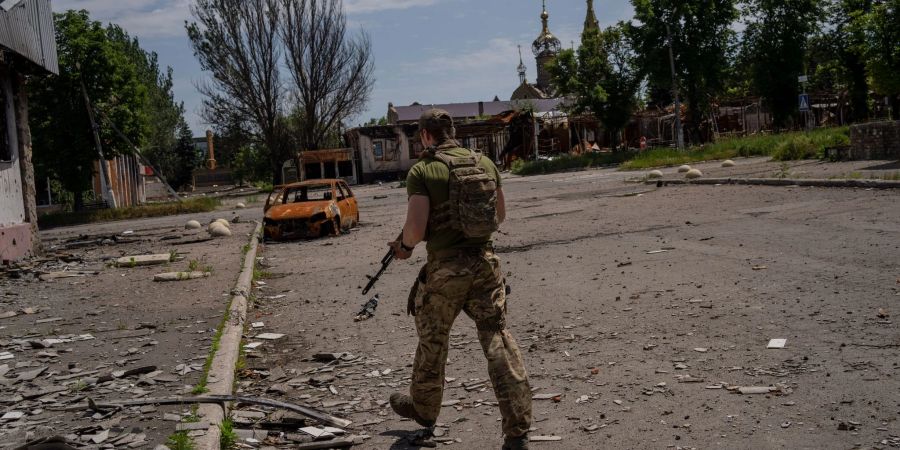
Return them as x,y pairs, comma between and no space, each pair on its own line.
472,208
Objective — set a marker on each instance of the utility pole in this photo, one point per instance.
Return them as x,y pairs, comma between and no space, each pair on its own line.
679,132
105,182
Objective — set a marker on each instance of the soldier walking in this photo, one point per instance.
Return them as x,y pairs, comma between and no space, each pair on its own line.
455,204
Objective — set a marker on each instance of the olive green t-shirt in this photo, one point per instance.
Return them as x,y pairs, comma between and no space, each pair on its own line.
432,178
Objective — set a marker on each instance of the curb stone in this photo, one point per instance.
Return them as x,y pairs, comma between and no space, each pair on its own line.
869,184
221,372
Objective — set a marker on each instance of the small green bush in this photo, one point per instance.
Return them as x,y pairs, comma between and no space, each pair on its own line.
800,147
782,147
180,441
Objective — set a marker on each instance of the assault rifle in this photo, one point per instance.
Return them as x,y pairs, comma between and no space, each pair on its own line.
385,263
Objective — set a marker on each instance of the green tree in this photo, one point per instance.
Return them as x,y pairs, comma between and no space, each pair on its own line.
776,41
237,42
602,78
63,139
166,125
377,122
701,32
882,27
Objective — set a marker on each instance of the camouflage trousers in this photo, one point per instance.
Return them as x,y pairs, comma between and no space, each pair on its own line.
469,281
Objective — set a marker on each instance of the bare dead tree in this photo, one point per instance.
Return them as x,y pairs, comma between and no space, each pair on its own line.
237,42
332,71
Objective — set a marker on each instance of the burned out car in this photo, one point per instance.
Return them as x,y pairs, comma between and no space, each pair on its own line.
310,209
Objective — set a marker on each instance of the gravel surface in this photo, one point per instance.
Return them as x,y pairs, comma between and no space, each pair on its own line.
641,312
113,321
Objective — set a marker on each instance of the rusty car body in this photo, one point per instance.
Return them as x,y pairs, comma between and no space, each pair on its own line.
310,209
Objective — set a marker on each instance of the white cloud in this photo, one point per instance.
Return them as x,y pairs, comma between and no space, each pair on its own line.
368,6
498,53
142,18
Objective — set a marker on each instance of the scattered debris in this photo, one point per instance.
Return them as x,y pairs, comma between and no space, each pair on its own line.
144,260
50,276
180,276
368,310
546,396
755,390
269,336
777,343
217,399
539,438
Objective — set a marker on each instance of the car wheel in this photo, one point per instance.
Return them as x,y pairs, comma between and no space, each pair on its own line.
331,228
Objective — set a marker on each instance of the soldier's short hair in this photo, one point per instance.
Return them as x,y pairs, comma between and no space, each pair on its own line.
438,123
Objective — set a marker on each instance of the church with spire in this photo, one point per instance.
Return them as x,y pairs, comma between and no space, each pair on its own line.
545,49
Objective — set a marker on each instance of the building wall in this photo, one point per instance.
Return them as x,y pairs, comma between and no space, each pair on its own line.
12,207
394,163
16,238
875,141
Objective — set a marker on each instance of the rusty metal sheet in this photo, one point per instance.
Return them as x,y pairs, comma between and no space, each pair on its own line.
26,29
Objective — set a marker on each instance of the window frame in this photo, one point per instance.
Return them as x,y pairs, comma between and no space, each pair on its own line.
376,144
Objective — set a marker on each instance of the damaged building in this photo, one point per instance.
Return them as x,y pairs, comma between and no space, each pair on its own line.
530,124
501,130
27,48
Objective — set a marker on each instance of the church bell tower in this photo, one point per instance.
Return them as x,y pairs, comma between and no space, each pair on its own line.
545,48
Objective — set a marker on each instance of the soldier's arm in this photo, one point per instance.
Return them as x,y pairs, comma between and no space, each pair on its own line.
416,220
501,205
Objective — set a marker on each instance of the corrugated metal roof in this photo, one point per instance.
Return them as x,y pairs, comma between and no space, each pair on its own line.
26,29
476,109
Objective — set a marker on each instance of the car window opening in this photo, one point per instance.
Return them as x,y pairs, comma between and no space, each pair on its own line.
305,194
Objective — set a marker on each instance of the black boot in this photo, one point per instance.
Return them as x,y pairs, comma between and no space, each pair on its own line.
403,406
516,443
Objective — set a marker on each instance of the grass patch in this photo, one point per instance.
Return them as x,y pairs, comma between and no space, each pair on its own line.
137,212
180,441
227,437
781,147
568,162
259,273
199,266
201,388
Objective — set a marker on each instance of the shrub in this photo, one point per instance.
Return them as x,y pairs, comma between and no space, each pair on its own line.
800,147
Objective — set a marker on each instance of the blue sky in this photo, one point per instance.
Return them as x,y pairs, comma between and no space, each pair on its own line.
430,51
